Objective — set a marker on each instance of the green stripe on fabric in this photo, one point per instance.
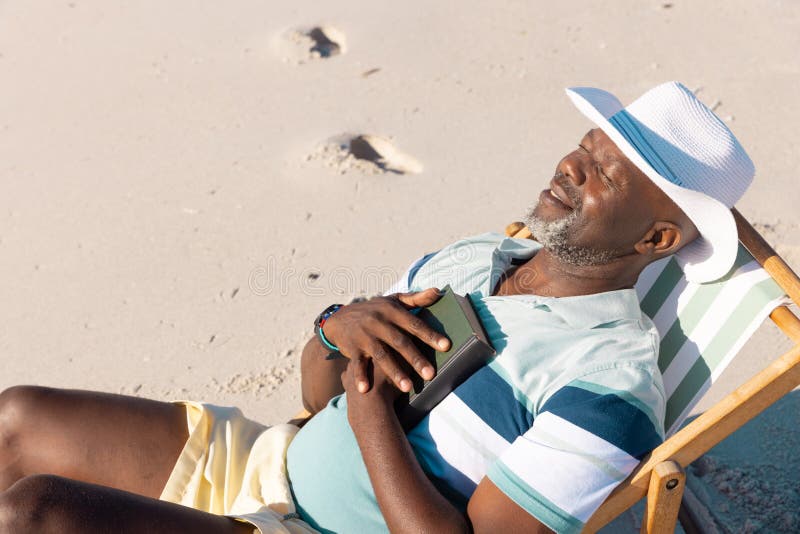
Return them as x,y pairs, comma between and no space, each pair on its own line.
627,396
685,324
532,501
694,311
686,391
753,302
661,288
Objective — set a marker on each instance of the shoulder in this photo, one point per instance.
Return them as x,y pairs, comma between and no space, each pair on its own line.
465,263
629,391
467,248
620,361
610,333
607,338
430,262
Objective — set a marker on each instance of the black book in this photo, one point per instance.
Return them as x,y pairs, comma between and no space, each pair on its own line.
453,316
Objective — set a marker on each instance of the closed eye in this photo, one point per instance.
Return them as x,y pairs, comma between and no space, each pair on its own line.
608,180
600,170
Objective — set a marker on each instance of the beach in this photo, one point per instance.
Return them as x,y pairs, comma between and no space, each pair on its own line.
178,206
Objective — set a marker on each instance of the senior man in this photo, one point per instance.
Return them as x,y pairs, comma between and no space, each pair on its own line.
533,441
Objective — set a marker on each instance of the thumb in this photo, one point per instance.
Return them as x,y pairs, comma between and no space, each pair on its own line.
419,299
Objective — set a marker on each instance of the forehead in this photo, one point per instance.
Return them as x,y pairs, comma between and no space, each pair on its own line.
605,151
600,141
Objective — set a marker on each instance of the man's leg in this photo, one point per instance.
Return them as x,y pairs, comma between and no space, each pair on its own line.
45,504
111,440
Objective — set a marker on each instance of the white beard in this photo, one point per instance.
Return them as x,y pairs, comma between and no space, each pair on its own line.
555,236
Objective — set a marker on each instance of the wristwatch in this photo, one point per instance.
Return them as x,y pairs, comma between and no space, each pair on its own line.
319,322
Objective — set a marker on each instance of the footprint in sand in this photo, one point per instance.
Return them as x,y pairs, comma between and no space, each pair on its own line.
307,44
370,154
326,41
260,384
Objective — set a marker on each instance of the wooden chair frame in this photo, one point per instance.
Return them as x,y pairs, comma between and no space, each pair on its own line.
661,476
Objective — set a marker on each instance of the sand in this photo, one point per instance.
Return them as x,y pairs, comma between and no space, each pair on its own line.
177,206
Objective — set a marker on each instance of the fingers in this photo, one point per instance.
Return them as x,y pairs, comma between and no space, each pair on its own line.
360,376
355,375
384,330
419,298
386,358
416,326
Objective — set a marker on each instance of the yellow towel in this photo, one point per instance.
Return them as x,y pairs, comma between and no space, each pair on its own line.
236,467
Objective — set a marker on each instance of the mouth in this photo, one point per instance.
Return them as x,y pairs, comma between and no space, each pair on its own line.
557,196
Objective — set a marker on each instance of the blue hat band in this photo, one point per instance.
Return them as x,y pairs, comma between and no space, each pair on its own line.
626,125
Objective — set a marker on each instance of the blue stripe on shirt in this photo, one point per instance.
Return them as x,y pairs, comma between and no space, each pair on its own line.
607,416
493,400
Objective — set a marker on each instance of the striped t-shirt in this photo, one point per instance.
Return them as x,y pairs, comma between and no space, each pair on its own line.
564,412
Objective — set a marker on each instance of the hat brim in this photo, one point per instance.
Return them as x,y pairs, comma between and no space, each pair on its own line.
712,254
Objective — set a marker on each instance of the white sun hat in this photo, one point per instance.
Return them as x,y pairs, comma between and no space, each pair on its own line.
689,153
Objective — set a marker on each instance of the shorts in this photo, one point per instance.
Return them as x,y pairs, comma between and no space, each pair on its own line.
235,467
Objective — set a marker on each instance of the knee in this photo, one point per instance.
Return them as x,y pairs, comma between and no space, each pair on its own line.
31,504
17,405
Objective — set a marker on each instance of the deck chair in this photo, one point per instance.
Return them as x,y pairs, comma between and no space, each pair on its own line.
702,327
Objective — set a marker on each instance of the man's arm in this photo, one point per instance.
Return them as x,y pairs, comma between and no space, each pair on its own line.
320,378
490,510
408,500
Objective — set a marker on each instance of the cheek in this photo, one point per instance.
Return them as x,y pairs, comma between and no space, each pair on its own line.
630,222
610,223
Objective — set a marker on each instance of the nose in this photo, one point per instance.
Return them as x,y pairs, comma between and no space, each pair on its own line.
571,167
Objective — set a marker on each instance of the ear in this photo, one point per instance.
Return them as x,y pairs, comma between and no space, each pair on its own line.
662,239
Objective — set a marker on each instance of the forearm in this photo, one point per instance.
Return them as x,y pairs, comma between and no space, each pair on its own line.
408,500
320,379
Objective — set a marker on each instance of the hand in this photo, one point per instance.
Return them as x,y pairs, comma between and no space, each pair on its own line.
382,329
364,407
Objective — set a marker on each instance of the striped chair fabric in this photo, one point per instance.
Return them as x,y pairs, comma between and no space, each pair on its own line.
703,326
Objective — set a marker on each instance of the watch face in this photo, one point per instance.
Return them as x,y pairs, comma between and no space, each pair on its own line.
327,312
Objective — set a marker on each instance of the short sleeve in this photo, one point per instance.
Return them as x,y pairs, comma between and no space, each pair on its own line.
587,438
403,284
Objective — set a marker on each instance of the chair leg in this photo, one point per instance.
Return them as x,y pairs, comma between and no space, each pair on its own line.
664,498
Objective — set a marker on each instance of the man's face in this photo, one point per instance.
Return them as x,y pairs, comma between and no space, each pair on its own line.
598,205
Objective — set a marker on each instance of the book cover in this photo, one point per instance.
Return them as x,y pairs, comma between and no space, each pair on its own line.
453,316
